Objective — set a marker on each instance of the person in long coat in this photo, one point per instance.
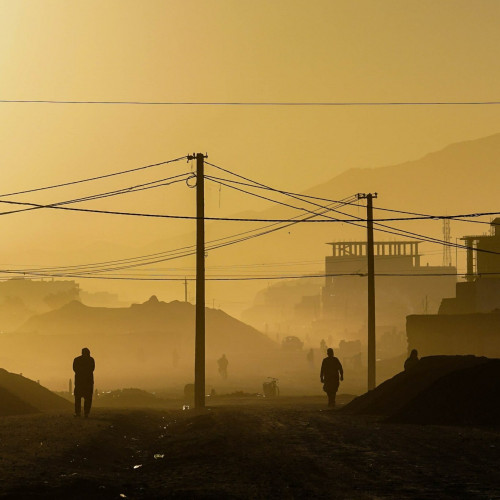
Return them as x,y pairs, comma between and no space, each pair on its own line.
84,367
331,374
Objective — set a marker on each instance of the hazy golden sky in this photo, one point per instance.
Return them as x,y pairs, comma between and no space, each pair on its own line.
226,50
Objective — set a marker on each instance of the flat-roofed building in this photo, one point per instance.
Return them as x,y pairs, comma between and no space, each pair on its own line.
402,285
468,323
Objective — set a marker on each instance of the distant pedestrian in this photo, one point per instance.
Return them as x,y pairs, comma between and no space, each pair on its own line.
322,345
331,368
223,362
310,358
412,361
83,366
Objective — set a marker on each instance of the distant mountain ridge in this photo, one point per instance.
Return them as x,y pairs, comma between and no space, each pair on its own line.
457,177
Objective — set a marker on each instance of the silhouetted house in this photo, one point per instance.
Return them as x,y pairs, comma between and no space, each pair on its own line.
403,286
40,295
469,323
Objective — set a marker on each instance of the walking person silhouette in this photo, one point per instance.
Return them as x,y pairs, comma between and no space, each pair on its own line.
83,366
223,362
329,376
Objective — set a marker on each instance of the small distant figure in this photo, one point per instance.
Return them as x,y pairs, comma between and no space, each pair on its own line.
412,361
271,389
310,357
83,366
223,362
329,376
322,345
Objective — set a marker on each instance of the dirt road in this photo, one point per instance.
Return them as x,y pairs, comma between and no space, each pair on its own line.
291,448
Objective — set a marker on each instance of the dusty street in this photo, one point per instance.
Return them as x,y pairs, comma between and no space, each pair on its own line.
287,448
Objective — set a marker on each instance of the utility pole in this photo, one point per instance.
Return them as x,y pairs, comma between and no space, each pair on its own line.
185,289
370,253
199,351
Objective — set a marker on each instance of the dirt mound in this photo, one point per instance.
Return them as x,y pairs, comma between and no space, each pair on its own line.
173,321
440,390
20,395
11,405
468,396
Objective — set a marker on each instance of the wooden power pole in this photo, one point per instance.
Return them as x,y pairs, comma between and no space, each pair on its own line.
199,351
370,253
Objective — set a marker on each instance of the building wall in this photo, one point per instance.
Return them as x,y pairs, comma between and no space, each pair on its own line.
345,297
457,334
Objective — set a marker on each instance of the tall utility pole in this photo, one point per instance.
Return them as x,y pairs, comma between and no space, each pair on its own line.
370,253
199,351
185,289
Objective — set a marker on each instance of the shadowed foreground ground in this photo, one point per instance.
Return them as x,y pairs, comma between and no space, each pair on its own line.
291,448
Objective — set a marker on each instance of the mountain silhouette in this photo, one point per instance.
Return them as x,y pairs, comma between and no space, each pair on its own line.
458,178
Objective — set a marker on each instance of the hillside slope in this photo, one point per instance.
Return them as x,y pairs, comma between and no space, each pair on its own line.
19,395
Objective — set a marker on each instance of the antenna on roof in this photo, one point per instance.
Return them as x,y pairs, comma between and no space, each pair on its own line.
447,247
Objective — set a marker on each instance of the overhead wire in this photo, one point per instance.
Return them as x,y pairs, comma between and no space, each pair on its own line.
354,222
180,252
254,103
354,219
88,179
131,189
138,261
418,216
255,278
229,219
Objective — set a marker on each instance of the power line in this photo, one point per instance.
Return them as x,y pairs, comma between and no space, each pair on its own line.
176,253
418,216
93,178
131,189
235,219
291,195
389,229
255,278
260,196
164,216
256,103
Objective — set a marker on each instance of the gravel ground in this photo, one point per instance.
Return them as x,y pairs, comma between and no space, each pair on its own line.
283,448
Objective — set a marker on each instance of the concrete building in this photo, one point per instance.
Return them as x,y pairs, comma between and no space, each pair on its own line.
468,323
480,292
402,285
